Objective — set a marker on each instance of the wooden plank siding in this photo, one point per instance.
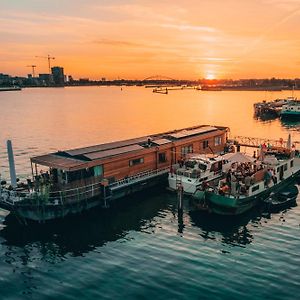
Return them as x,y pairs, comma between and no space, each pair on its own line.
116,156
119,168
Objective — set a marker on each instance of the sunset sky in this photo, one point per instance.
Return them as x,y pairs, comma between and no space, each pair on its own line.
138,38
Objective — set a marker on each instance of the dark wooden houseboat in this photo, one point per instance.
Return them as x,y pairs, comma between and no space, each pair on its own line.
79,179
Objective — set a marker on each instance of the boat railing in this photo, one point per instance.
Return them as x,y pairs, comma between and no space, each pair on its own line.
45,196
138,177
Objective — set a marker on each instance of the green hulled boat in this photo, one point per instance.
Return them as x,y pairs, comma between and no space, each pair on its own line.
276,172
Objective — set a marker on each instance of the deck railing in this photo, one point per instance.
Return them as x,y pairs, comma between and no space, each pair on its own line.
138,177
45,196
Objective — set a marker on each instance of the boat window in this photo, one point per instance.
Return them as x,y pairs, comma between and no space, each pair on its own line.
285,167
136,161
255,188
218,140
291,163
81,174
202,167
98,170
204,144
190,163
277,169
162,157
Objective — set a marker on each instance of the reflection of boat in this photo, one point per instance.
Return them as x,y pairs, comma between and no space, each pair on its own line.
234,231
83,233
283,199
277,170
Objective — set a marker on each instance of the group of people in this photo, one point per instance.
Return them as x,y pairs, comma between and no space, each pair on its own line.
239,178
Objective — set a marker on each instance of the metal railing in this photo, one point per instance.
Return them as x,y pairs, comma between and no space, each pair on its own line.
139,177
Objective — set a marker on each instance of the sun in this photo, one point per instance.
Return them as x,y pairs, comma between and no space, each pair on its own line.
210,76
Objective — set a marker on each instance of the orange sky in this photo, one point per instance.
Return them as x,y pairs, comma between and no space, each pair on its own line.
139,38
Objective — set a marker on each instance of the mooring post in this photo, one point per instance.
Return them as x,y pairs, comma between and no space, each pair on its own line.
12,169
180,207
180,196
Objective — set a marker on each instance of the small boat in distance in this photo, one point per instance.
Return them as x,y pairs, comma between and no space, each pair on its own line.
10,89
291,110
271,109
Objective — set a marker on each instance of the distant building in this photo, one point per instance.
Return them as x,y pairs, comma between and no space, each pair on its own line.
58,75
46,78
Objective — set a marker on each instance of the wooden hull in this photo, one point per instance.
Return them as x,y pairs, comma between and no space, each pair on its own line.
224,205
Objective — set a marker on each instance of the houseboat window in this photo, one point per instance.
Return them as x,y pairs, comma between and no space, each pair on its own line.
80,174
162,157
218,140
205,144
98,171
255,188
285,167
136,161
187,149
291,163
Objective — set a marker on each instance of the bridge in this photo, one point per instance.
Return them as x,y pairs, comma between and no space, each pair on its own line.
159,77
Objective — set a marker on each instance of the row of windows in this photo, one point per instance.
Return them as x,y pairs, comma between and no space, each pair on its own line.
205,144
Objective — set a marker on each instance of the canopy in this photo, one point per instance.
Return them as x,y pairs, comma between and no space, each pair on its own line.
238,157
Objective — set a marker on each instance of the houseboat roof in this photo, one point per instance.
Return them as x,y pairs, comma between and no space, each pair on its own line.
76,159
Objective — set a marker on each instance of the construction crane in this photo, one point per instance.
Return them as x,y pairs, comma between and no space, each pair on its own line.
33,70
49,59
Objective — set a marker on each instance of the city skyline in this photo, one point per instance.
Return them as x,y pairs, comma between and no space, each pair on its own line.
137,39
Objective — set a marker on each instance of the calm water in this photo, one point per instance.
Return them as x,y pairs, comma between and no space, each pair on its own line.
141,249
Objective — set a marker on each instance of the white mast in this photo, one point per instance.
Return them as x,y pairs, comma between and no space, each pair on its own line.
12,169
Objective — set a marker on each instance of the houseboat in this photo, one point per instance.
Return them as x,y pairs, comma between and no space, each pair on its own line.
71,181
247,184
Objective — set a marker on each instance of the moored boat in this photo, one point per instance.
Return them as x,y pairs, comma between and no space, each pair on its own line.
282,200
250,183
200,169
291,110
71,181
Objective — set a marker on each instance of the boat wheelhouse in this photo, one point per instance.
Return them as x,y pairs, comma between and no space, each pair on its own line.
75,180
199,169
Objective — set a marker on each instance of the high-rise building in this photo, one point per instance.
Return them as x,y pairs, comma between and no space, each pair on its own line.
58,75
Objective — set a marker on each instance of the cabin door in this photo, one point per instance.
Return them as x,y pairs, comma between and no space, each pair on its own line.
281,171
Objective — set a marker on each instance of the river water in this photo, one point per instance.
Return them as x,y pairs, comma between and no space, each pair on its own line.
141,248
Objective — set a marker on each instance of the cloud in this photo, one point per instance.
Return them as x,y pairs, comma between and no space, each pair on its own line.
117,43
188,27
